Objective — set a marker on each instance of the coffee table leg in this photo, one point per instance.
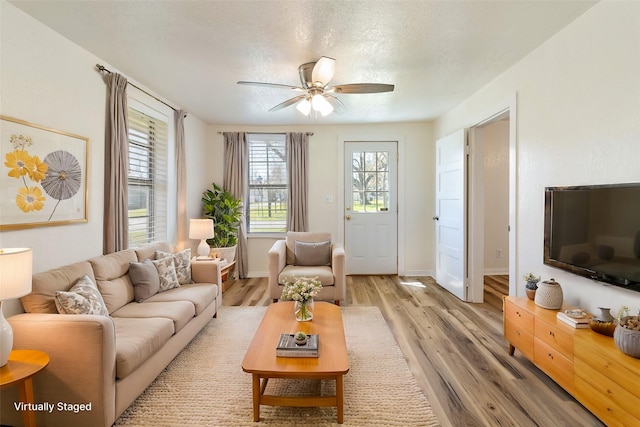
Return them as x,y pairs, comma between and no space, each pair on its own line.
340,397
256,397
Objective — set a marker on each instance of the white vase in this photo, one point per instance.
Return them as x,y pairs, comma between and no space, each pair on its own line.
549,295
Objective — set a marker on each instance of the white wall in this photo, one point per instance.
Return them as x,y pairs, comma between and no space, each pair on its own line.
496,197
577,119
324,178
47,80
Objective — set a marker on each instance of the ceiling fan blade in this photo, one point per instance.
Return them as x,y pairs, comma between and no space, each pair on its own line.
323,71
288,102
361,88
274,85
338,106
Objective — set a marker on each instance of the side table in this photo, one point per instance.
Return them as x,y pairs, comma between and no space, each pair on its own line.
19,370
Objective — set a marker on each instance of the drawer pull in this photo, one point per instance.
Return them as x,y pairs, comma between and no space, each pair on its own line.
550,356
518,313
551,334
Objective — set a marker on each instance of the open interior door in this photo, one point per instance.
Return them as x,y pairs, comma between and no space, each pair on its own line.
450,216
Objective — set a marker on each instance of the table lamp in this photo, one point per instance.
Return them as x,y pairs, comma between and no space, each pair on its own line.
15,281
201,229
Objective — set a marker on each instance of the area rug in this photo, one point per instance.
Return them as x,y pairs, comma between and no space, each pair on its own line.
205,384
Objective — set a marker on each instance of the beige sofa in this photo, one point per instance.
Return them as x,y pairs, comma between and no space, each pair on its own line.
107,361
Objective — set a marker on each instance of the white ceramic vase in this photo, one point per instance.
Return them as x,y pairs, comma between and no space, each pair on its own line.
549,295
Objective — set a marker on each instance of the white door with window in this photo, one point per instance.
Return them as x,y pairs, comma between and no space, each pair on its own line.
450,216
371,207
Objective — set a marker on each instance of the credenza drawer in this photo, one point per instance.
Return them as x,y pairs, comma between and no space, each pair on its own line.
519,316
519,338
593,384
553,363
555,336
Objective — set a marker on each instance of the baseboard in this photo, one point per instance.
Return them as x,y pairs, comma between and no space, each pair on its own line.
496,271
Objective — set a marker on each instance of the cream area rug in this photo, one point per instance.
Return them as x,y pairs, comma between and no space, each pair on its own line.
205,384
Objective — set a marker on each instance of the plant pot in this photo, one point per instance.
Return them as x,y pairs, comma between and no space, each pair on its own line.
228,254
531,293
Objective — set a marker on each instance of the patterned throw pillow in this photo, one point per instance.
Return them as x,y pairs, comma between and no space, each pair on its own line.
167,273
82,298
182,263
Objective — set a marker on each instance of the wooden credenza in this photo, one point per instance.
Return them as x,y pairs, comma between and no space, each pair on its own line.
587,365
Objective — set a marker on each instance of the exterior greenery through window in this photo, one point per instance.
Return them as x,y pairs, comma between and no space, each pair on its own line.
147,200
268,191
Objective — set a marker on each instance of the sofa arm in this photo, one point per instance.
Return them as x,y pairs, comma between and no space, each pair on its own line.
338,259
206,272
82,367
277,258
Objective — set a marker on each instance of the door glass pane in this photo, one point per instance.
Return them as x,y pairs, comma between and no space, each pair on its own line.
370,180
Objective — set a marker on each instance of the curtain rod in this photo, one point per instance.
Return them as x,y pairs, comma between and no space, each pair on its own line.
271,133
104,69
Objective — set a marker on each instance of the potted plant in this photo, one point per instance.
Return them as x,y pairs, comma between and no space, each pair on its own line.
300,338
226,211
532,285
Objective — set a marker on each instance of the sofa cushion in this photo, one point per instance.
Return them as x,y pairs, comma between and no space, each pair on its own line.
181,262
145,280
112,279
149,251
137,340
82,298
45,284
180,312
312,253
167,273
199,294
323,273
302,236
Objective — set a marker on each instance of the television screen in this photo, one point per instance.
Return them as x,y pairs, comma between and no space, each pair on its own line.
594,231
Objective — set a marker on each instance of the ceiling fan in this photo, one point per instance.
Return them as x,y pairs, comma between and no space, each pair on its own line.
318,95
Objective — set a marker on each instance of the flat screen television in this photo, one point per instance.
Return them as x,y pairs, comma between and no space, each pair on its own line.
594,231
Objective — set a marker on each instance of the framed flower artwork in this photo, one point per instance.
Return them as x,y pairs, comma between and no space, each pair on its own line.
43,176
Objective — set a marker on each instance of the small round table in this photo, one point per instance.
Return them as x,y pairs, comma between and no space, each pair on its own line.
21,367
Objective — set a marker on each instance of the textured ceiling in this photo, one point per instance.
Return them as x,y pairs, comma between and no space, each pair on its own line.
192,53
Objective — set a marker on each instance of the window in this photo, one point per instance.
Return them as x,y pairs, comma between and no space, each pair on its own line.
268,192
147,203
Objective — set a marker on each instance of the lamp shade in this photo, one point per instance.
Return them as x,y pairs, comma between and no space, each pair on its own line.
15,272
200,229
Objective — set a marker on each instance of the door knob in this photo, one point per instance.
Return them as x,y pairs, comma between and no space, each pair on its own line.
348,217
435,218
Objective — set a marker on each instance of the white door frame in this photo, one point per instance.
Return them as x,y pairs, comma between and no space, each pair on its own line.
401,187
476,228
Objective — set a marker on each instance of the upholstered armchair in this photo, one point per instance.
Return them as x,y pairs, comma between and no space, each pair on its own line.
308,254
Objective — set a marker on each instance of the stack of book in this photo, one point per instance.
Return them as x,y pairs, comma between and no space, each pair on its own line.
287,346
576,322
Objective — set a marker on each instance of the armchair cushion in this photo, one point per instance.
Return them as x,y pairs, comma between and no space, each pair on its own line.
312,253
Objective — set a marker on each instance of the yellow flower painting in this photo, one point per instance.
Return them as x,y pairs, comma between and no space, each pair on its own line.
30,199
22,165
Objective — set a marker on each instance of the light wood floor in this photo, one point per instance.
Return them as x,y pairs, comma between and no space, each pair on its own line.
456,352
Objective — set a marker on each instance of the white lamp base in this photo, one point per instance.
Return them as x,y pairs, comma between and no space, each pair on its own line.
6,338
203,249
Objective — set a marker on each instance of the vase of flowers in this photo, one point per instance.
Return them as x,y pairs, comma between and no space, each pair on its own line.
532,285
301,290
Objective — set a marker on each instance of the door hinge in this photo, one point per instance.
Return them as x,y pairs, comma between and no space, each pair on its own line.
467,149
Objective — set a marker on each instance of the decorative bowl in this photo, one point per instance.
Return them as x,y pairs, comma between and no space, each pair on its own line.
576,313
602,327
626,338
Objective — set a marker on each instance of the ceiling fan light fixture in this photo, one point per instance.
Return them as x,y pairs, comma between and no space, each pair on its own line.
304,107
323,71
320,104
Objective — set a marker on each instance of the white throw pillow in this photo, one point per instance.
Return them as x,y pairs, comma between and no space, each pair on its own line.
82,298
181,262
167,273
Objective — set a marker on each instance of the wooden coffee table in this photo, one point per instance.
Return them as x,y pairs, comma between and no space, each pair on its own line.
332,363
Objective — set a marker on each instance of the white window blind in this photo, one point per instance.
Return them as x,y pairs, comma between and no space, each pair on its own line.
267,183
147,203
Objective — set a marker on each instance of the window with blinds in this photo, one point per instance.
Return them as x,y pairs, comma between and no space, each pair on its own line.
147,202
268,190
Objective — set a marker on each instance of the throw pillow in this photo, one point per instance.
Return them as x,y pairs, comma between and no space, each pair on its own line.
82,298
312,253
166,274
181,262
145,279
